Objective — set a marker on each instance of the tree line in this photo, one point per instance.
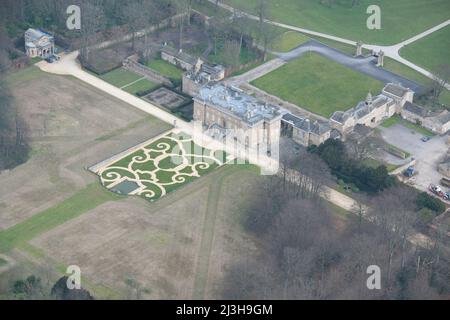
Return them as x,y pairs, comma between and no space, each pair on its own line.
351,170
14,144
306,251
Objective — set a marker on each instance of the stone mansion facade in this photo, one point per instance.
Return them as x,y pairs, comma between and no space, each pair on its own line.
226,111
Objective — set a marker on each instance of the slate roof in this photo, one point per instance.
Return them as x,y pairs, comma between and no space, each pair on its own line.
416,109
362,109
32,36
234,101
444,118
306,124
180,55
395,89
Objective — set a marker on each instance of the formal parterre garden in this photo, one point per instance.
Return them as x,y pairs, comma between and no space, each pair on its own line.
154,170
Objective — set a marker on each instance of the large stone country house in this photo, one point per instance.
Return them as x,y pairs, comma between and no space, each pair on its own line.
250,122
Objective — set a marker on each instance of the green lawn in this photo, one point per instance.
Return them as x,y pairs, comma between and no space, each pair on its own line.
141,85
398,120
35,60
430,52
23,75
2,262
405,71
319,85
120,77
288,41
278,33
374,163
84,200
166,69
400,19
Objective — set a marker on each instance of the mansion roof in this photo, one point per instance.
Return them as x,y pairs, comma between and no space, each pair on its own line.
37,38
395,89
179,55
362,109
415,109
306,124
206,74
444,117
235,102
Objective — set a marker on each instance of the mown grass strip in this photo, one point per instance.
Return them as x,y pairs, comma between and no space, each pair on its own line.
84,200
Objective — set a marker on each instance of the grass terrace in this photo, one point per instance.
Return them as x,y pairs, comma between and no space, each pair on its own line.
140,86
120,77
166,69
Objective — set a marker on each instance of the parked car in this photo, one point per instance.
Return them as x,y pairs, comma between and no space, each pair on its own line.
52,58
437,190
426,139
409,172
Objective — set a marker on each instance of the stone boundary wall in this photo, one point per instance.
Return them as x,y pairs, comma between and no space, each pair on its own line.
171,21
402,168
150,74
107,162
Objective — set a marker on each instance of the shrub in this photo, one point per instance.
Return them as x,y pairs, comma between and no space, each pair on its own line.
354,188
351,171
426,216
424,200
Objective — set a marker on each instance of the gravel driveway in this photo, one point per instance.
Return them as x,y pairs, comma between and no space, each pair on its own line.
366,65
428,154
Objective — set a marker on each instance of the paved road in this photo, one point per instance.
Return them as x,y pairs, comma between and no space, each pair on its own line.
366,65
256,72
390,51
